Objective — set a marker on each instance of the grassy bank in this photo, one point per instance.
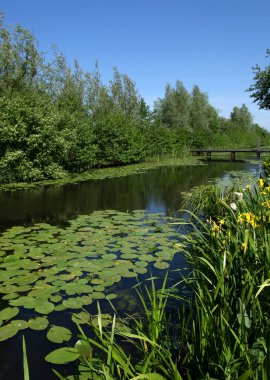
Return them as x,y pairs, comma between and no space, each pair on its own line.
102,173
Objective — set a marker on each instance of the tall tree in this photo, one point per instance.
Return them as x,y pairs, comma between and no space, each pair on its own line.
20,61
199,110
173,109
241,118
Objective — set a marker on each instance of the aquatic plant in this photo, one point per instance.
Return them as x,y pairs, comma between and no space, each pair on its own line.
126,348
49,269
229,259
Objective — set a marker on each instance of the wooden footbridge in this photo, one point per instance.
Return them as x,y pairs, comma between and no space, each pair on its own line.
232,152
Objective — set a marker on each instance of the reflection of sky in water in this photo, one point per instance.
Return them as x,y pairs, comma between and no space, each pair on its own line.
156,206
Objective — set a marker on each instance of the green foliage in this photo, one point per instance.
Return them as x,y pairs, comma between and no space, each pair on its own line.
119,139
204,198
260,88
56,119
229,260
102,356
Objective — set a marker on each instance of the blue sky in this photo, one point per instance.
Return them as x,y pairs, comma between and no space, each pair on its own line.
212,43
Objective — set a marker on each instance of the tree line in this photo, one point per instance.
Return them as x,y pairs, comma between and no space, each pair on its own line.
57,119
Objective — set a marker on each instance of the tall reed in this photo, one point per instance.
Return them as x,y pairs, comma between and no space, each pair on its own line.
229,259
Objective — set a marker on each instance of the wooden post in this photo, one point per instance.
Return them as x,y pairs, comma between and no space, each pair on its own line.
232,156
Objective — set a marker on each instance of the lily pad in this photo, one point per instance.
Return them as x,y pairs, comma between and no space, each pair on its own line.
81,317
111,296
20,324
161,265
63,355
58,334
83,347
45,307
56,298
8,313
8,331
39,323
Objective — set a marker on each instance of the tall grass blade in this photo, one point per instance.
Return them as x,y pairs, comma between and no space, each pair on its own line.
25,361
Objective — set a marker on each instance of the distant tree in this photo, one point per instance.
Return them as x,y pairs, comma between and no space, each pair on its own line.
260,89
199,110
20,61
241,117
173,109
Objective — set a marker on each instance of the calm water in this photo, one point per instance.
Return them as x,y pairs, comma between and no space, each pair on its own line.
157,190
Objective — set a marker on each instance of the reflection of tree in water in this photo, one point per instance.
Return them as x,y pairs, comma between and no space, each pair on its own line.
154,190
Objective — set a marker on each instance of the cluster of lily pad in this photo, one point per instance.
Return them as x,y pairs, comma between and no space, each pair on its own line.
45,268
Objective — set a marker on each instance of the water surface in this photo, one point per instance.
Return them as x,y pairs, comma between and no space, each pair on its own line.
157,190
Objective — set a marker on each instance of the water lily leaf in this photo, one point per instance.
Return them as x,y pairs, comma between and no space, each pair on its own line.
63,355
60,307
161,265
9,313
140,270
109,256
7,331
56,298
20,324
83,347
99,288
81,317
39,323
45,307
130,274
58,334
97,295
10,296
72,303
25,301
8,289
106,319
141,264
111,296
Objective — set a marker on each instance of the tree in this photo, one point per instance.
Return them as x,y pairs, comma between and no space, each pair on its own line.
20,61
173,109
260,89
241,117
199,110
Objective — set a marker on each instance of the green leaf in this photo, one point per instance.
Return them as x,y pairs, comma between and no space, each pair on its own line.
9,313
63,355
39,323
80,318
25,362
58,334
83,347
7,331
20,324
44,307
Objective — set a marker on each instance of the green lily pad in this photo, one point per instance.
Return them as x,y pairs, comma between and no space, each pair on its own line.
111,296
56,298
45,307
72,303
80,318
8,331
106,319
63,355
58,334
83,347
161,265
39,323
20,324
8,313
